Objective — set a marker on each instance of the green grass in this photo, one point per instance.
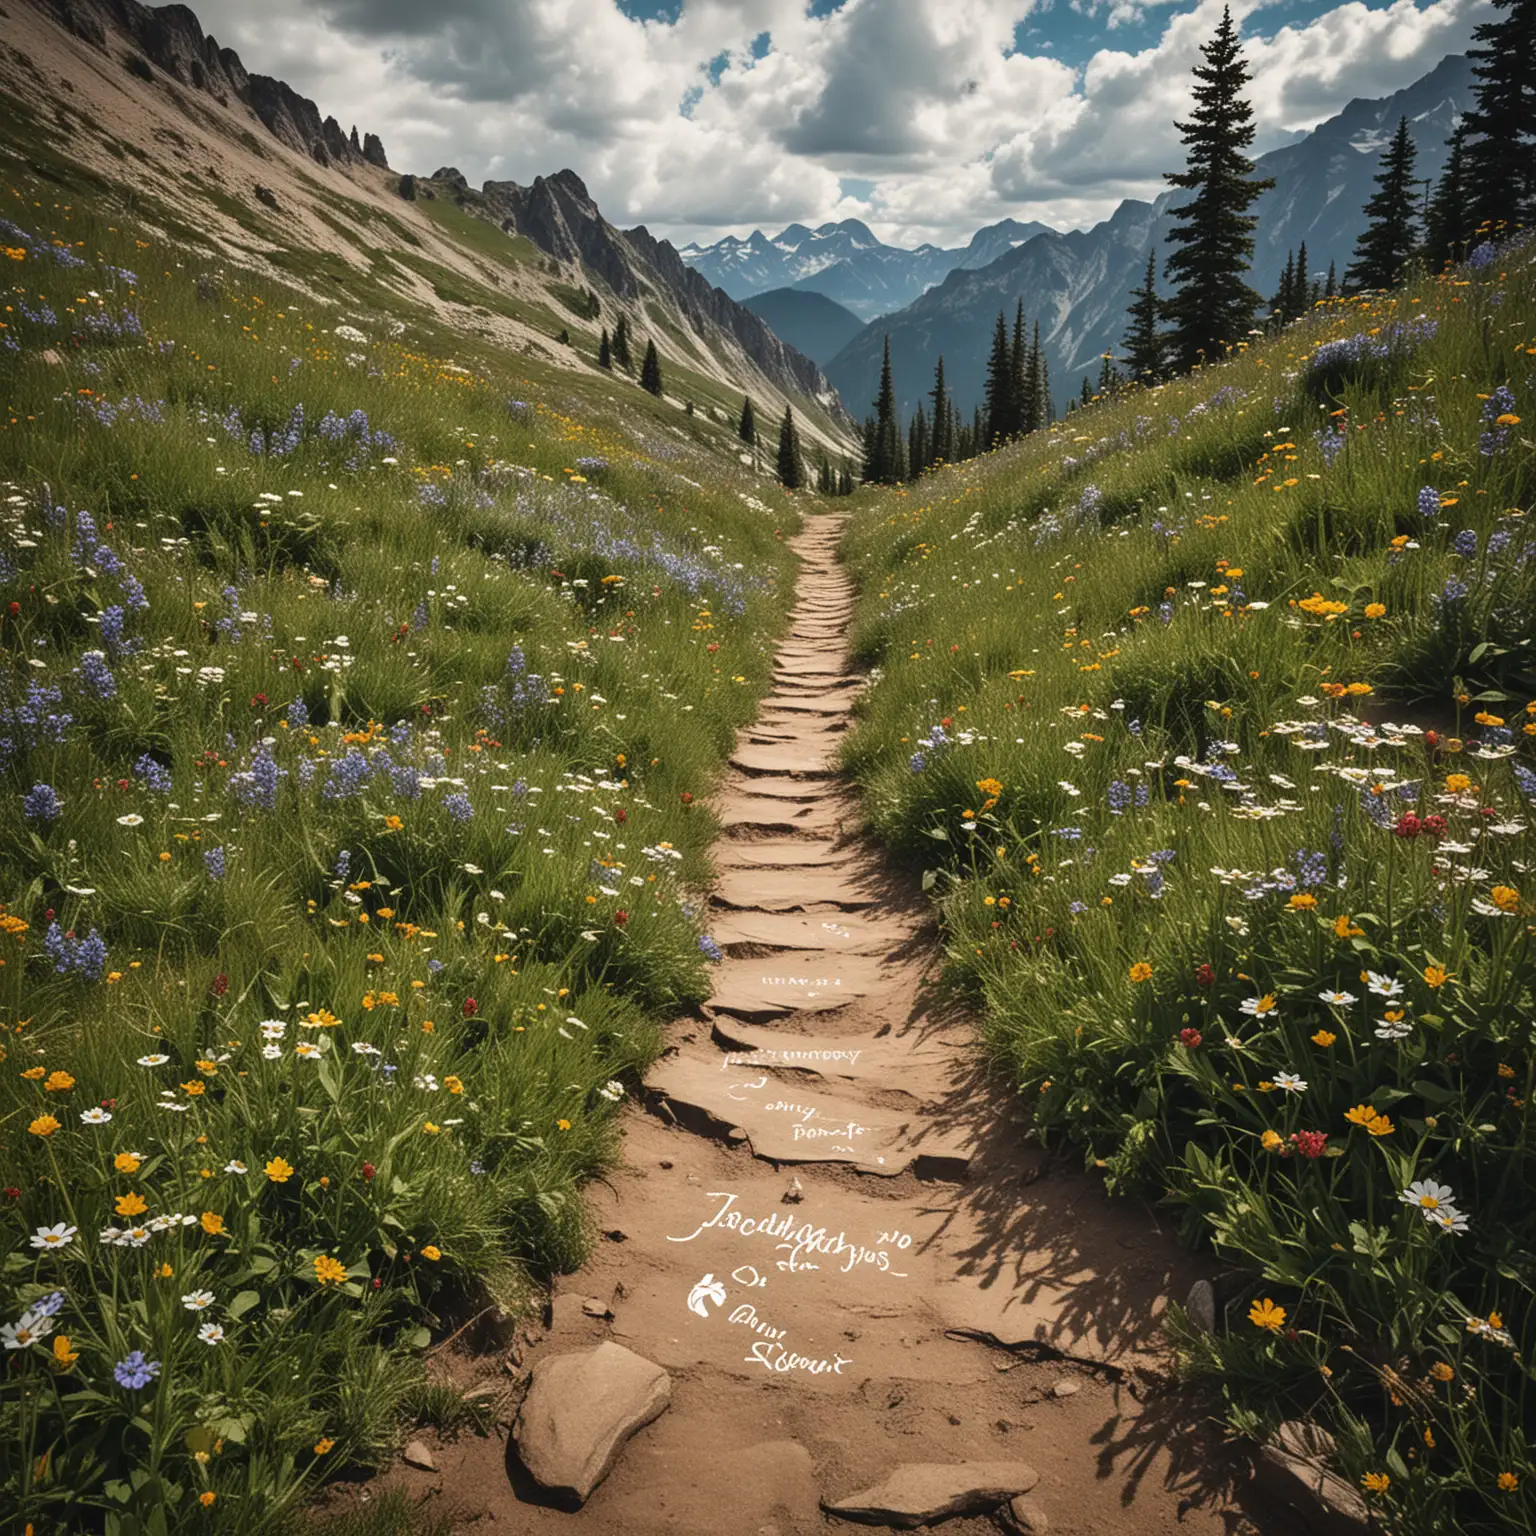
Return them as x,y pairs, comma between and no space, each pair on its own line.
377,813
1105,656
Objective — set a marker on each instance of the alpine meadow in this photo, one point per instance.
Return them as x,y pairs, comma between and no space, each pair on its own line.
593,937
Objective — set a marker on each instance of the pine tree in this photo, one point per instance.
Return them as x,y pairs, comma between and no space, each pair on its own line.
1391,235
1087,391
919,443
1019,362
942,448
979,443
650,370
605,351
1500,146
846,485
746,426
621,345
999,387
1143,343
1043,389
1302,292
884,459
791,471
1213,304
871,450
1445,229
1109,378
1332,288
1283,304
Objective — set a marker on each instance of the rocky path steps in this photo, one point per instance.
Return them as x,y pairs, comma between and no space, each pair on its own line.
833,1285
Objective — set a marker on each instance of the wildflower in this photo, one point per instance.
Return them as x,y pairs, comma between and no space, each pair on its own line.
1375,610
206,1498
324,1446
1441,1371
1324,1038
197,1301
1141,971
130,1205
1272,1141
1260,1007
59,1082
453,1084
135,1371
1506,898
1361,1114
432,1251
1344,929
1448,1219
1205,976
1380,1126
212,1223
58,1236
1302,901
1383,986
1435,975
1375,1482
1310,1144
40,803
1191,1039
127,1162
563,1125
1290,1082
1426,1195
1508,1482
329,1271
64,1355
211,1333
1337,999
95,1115
279,1170
44,1125
1266,1314
156,1060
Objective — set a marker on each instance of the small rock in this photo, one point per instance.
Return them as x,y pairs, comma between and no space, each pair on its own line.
417,1455
736,1135
919,1493
268,196
595,1308
1066,1387
616,1235
1201,1306
580,1410
1293,1468
794,1194
1025,1518
666,1162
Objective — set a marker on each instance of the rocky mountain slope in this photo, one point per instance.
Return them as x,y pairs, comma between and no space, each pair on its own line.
152,108
847,262
1078,284
809,322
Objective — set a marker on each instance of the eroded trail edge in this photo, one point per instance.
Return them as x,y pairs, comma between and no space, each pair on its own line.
826,1230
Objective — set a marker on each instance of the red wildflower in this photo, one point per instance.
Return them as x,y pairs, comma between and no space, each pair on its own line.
1191,1038
1310,1143
620,918
369,1170
220,985
1204,975
471,1007
1408,825
621,816
1434,826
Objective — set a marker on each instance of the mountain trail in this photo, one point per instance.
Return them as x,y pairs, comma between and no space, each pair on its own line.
827,1228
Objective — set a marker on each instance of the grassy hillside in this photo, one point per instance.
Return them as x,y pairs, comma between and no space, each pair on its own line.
356,685
1212,712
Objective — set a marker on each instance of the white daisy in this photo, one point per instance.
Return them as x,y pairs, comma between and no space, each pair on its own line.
1260,1007
273,1029
234,1165
94,1116
1426,1195
211,1333
1447,1219
1393,1029
153,1061
1290,1082
132,819
196,1301
59,1236
272,1051
1384,986
1337,999
362,1048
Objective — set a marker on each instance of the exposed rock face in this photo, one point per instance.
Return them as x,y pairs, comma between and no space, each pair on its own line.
580,1410
919,1493
373,151
172,39
1295,1468
559,216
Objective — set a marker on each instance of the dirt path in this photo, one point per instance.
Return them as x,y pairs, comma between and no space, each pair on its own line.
825,1227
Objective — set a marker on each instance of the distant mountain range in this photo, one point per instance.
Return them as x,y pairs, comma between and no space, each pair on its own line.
809,322
846,262
1078,284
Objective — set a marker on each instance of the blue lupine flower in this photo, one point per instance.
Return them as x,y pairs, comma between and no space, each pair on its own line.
710,950
135,1371
1077,908
343,863
1526,779
298,715
258,784
1500,403
88,956
1481,256
1331,445
405,781
96,674
434,966
1119,797
1465,543
213,862
1313,867
156,776
40,803
458,806
917,762
348,776
1429,502
1453,592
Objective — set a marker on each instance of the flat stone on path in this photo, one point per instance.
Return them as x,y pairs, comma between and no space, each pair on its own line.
788,890
919,1493
580,1409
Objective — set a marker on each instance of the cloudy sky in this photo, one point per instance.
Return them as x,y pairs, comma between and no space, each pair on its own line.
926,118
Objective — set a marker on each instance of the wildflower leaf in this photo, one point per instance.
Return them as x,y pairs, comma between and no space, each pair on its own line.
242,1303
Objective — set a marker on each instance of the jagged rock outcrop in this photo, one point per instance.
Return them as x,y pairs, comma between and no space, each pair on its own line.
558,215
172,39
373,151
